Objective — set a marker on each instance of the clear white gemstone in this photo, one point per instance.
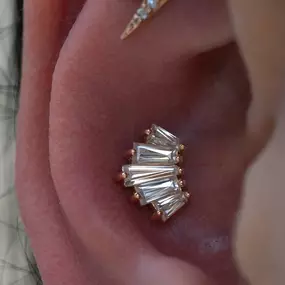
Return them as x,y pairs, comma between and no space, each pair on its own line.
153,191
139,174
160,136
153,154
152,3
142,13
170,204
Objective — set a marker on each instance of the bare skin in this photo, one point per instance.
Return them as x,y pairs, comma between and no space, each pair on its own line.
86,96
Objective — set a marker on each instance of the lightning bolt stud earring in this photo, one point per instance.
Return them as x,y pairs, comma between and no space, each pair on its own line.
147,9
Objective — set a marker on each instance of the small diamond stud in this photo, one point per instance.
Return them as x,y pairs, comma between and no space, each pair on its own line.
153,173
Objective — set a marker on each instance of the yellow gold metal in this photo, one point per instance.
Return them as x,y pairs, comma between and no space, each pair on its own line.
179,159
136,197
147,9
121,176
187,195
131,153
182,183
147,132
156,216
181,147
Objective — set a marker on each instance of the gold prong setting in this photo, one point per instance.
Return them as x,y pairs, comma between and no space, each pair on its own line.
154,174
121,176
181,147
136,197
156,216
147,132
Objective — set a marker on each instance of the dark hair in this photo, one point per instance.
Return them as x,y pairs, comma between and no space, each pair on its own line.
9,88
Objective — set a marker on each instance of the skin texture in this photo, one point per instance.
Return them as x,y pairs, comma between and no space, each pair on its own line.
260,234
85,98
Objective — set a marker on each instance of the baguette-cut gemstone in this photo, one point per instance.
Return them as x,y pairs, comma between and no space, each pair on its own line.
160,136
138,174
154,154
153,191
170,204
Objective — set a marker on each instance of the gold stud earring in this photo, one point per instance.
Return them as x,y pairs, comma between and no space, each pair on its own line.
147,9
154,174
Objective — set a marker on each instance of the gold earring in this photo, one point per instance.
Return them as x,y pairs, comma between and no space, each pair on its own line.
147,9
154,174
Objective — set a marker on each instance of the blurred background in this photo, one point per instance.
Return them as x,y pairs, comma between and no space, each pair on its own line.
17,264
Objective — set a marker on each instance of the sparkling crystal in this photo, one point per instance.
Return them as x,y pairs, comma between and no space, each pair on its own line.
147,9
170,204
160,136
153,191
152,3
139,174
132,26
142,13
153,154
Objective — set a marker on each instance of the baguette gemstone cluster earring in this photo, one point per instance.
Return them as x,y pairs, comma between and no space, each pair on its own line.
154,173
145,11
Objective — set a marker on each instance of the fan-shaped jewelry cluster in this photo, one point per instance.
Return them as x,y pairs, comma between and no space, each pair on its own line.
154,173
